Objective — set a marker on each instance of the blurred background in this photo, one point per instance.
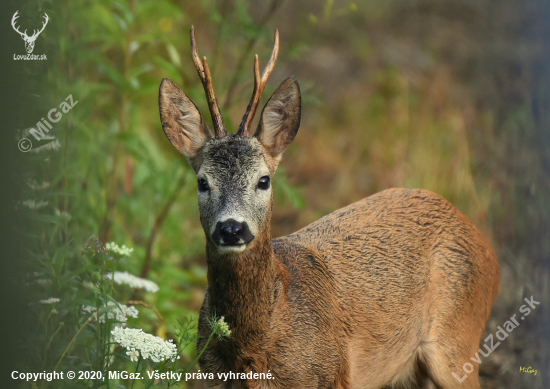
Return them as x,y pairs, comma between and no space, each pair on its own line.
447,95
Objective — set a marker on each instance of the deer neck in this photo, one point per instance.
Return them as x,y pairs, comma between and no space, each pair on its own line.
240,286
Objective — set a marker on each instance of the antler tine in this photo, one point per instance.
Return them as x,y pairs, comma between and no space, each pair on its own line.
259,86
196,59
206,78
254,100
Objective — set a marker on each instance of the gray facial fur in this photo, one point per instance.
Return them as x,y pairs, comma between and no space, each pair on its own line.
234,209
232,166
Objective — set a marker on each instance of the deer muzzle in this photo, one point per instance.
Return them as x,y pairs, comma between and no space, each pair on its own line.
232,236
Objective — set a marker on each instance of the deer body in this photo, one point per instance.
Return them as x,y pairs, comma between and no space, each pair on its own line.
357,299
390,290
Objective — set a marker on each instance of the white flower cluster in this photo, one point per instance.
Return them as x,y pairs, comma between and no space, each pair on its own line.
51,300
125,278
63,214
33,204
222,328
122,251
120,312
151,347
36,186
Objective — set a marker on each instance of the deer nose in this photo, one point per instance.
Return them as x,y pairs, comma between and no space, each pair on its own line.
231,228
231,232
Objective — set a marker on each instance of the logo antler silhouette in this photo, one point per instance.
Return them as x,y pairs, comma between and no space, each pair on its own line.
29,40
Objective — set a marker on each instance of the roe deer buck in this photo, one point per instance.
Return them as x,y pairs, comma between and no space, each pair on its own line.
392,290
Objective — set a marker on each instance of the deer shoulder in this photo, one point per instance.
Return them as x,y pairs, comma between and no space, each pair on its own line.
392,290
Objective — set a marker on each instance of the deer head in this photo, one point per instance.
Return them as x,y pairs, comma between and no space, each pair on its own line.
234,172
29,40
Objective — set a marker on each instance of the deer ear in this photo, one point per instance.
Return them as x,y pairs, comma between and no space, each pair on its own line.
181,121
280,118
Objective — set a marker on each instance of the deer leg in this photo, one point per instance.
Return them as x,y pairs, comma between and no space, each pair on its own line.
445,359
427,384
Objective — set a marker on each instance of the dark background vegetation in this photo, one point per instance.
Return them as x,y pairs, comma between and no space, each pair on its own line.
447,95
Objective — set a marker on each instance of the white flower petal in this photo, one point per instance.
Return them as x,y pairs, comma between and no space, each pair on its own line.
122,251
51,300
125,278
149,346
120,312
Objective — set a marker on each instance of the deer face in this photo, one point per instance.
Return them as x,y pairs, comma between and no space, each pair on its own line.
233,171
234,191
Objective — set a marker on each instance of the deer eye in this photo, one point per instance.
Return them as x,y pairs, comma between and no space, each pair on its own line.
263,183
202,185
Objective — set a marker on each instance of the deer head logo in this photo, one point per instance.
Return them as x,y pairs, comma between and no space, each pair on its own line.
29,40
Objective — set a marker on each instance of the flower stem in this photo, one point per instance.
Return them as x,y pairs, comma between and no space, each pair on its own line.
72,341
137,367
202,352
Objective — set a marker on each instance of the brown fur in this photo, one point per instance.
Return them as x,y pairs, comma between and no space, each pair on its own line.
391,291
356,298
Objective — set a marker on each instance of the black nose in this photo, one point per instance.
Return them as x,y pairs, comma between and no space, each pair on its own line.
232,232
231,227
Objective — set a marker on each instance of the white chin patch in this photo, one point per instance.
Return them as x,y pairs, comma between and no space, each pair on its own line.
223,249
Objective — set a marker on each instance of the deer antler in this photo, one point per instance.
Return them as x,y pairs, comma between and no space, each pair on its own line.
15,16
43,26
259,85
204,74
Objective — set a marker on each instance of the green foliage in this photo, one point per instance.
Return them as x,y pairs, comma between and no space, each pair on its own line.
108,170
394,94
